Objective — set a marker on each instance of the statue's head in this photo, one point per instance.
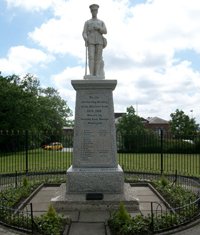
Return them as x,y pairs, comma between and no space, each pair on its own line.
94,7
94,10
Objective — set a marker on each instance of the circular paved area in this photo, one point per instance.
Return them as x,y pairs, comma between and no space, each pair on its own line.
190,231
93,221
7,231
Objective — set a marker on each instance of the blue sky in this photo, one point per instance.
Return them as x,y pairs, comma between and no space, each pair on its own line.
153,49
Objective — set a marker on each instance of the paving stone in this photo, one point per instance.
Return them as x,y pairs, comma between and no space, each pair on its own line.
133,214
139,191
190,231
73,215
51,188
41,200
94,216
87,229
149,198
7,231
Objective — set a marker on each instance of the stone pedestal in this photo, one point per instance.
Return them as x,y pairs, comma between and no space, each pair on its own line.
95,181
77,201
99,180
94,167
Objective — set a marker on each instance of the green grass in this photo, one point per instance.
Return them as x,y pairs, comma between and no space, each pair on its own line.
40,160
185,164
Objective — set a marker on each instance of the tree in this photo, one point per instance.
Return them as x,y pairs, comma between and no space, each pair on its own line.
131,131
27,106
130,123
16,107
53,110
182,126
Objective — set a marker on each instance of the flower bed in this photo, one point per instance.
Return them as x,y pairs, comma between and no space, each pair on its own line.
184,203
22,219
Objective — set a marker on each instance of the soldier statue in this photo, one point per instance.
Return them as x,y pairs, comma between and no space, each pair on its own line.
95,42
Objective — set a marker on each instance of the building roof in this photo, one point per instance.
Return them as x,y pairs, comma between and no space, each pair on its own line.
156,120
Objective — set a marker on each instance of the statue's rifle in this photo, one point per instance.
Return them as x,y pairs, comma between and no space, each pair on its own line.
86,60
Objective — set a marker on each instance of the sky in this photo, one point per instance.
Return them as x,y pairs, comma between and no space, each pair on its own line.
153,49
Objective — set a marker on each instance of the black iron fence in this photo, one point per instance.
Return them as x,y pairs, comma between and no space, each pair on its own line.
159,153
25,152
163,218
42,156
18,219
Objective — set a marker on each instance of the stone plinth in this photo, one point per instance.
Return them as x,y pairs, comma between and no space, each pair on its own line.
90,77
94,167
110,201
103,180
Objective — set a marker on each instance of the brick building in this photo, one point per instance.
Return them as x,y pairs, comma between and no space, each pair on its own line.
156,124
152,123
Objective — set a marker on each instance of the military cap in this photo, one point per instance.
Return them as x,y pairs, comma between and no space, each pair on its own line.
94,7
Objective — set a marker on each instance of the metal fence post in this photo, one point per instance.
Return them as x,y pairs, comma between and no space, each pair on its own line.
161,151
26,149
152,217
16,179
32,221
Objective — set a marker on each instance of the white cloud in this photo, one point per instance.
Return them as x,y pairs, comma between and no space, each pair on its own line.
155,93
142,43
62,83
58,37
159,94
32,5
67,75
63,33
156,28
21,59
145,34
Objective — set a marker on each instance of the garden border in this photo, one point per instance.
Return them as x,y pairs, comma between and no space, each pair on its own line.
140,175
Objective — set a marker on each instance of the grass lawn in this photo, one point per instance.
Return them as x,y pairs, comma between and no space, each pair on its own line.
185,164
40,160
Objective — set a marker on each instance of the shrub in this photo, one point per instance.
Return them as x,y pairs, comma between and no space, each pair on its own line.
25,182
166,221
119,218
163,181
121,223
50,223
178,146
176,195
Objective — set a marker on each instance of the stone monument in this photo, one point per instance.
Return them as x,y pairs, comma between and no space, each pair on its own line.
95,173
94,167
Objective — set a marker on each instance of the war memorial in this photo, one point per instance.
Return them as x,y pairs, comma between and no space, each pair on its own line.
159,193
95,179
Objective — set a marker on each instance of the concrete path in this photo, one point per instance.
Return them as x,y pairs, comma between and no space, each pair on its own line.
7,231
191,231
93,222
87,229
90,222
